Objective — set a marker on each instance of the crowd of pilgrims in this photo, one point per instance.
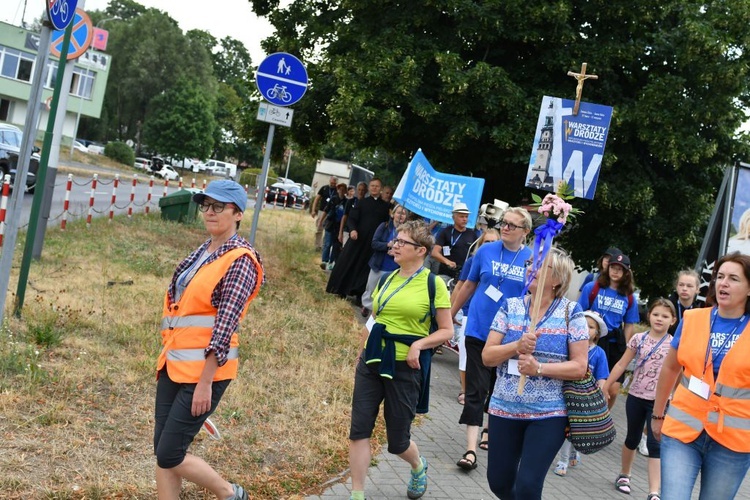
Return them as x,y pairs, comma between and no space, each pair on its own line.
380,257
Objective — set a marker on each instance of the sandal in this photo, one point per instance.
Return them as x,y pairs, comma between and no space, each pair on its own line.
622,484
461,398
484,443
653,496
465,463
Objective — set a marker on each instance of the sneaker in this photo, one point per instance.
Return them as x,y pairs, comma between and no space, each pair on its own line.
239,493
418,483
575,459
643,446
330,266
561,469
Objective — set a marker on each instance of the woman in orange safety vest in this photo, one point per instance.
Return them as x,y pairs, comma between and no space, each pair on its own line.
208,296
707,427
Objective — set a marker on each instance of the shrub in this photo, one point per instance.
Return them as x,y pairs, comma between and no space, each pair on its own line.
121,152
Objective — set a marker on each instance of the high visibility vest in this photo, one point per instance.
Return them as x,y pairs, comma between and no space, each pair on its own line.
725,416
187,324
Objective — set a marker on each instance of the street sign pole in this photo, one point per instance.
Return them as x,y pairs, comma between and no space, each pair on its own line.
261,193
14,207
41,178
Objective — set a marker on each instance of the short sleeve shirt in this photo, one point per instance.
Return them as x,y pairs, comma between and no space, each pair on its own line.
494,266
326,193
542,397
598,363
647,373
458,242
408,310
612,306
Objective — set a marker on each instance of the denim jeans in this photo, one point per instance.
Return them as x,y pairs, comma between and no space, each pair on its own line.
722,470
331,247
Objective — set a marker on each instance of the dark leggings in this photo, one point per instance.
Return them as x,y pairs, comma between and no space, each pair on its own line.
520,454
638,412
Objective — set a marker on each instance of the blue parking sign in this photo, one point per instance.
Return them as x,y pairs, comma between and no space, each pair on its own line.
281,79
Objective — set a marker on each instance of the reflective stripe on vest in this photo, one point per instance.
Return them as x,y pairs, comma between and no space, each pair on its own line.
740,423
685,418
197,354
172,322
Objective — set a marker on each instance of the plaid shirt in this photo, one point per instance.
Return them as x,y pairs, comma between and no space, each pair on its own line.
230,295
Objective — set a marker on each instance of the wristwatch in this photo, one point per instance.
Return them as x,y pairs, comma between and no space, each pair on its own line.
539,370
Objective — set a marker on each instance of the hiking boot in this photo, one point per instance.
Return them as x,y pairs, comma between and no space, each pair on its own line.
418,483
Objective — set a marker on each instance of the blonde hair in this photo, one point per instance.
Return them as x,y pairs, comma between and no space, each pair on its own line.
527,222
481,240
688,272
562,269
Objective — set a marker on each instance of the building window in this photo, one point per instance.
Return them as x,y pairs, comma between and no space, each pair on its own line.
81,84
16,64
4,109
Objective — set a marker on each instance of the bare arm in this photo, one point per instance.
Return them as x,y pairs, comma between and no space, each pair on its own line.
437,254
573,369
314,206
463,295
619,369
495,353
436,338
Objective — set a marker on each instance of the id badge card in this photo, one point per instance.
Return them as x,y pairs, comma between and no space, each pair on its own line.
513,367
446,251
493,293
699,387
370,323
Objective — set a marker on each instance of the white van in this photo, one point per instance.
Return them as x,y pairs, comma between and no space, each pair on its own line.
222,169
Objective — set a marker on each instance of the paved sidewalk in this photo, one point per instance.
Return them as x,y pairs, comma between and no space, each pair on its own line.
441,441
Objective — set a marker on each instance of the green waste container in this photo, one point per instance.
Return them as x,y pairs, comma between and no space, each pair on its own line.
179,206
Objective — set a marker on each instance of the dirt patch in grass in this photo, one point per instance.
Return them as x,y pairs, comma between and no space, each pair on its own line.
77,370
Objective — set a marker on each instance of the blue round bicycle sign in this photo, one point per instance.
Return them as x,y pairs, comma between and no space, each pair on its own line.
281,79
61,12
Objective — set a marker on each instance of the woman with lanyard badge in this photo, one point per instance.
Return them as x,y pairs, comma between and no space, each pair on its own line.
611,295
707,427
497,273
394,367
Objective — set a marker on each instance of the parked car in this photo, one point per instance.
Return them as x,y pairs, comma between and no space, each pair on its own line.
79,146
96,148
167,172
287,195
10,148
142,163
222,168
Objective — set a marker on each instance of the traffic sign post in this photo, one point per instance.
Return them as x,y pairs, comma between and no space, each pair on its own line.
275,114
281,79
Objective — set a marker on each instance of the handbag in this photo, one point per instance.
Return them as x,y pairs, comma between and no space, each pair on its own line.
590,425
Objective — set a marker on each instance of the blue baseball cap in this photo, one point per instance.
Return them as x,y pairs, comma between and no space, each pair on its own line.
226,191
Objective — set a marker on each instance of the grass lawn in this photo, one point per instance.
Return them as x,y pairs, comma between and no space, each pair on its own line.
77,369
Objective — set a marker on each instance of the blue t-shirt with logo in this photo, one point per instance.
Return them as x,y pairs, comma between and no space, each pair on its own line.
612,306
724,333
494,265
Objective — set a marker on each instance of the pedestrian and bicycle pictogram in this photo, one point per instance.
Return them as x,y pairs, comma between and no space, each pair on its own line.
281,79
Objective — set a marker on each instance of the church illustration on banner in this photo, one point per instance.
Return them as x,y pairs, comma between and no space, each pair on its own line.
539,175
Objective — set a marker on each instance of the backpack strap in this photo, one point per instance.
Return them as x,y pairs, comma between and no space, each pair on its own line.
594,291
432,313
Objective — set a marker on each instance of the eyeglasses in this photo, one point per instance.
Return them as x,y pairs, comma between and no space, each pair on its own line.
398,242
217,206
511,227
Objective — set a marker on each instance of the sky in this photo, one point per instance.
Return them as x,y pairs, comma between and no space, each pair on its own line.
221,18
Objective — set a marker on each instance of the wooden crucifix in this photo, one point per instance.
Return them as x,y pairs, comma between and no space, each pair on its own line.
581,77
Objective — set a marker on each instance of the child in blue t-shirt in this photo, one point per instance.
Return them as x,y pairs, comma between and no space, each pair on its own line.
600,370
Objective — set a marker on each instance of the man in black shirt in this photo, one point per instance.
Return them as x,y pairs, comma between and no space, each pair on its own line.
318,208
452,243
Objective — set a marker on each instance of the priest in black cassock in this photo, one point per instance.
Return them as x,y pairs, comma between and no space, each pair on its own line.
349,275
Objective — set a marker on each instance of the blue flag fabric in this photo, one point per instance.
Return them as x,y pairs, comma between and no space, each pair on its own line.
432,194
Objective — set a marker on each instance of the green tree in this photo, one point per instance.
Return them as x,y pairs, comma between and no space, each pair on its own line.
464,80
180,121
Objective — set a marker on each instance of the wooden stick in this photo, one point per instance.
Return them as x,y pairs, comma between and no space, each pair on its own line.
535,312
